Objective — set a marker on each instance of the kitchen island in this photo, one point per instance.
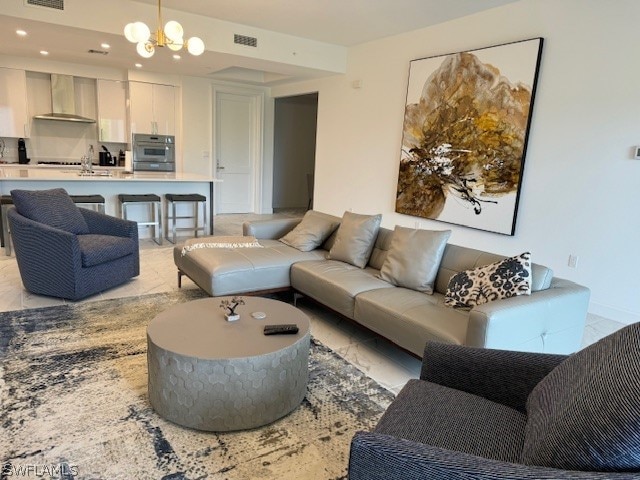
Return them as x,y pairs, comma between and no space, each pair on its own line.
108,183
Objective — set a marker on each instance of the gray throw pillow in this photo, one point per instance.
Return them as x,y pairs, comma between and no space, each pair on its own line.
355,238
585,415
311,232
504,279
52,207
414,257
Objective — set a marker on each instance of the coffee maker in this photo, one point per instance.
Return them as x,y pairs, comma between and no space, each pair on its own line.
105,158
22,152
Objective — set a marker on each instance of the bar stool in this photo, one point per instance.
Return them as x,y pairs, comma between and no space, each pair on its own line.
6,202
154,203
195,200
96,202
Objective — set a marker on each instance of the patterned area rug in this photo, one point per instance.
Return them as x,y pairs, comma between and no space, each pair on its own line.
73,396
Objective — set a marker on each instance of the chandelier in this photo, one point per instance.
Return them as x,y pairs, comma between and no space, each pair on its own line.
170,36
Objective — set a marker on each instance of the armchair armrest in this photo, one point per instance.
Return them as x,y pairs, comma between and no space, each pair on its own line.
501,376
270,229
551,319
102,224
382,457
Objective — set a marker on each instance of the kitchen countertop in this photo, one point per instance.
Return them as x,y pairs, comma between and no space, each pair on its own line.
101,174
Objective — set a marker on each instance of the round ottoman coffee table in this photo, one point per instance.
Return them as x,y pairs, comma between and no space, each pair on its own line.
210,374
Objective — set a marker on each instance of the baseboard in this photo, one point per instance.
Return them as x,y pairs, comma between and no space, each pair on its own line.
613,313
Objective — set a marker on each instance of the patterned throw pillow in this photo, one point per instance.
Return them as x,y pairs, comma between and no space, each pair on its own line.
504,279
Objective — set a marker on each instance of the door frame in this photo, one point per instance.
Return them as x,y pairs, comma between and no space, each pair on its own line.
257,100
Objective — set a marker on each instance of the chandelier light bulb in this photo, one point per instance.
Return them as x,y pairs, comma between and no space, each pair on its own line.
145,50
175,44
174,31
128,32
140,32
195,46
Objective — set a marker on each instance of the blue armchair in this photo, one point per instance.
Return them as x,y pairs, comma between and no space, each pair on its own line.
491,414
69,252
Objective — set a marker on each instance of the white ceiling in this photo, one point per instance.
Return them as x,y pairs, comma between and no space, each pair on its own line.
336,22
341,22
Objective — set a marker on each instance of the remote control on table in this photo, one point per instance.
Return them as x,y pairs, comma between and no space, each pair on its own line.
285,329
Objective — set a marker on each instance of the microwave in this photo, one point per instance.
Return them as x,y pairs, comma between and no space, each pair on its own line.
154,153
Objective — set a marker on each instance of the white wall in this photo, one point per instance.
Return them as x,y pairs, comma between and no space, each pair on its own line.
580,186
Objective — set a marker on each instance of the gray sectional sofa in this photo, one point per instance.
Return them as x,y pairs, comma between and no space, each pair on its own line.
551,319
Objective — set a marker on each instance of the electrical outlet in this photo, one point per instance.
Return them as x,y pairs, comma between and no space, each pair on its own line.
573,261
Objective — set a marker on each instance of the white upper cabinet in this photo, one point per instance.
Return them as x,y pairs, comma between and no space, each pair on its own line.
152,108
14,118
164,109
112,111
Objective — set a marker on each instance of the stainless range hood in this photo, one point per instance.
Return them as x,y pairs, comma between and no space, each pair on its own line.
63,101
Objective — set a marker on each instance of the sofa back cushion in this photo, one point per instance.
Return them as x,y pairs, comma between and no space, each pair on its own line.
414,257
355,238
311,232
52,207
457,259
585,415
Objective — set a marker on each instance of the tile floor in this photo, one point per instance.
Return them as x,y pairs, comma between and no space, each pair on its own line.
380,360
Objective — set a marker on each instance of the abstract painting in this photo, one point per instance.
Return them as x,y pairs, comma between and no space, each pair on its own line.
466,125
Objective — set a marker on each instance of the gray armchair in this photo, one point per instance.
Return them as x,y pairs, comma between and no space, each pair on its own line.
491,414
69,252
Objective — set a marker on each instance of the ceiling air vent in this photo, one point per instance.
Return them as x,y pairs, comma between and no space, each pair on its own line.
244,40
57,4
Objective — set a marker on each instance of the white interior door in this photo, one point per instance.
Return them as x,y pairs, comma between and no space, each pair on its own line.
235,151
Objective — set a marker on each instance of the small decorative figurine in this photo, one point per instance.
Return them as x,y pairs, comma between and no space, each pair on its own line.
230,307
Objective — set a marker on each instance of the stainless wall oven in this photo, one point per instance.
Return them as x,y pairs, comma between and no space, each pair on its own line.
154,153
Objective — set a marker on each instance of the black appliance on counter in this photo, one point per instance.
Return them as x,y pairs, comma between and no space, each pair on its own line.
105,158
22,152
154,153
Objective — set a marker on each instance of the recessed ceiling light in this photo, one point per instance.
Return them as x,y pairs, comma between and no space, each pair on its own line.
44,52
176,57
105,45
138,65
22,33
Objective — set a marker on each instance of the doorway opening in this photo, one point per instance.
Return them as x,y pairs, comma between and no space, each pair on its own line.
294,152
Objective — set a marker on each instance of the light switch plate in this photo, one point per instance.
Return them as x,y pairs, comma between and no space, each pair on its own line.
637,154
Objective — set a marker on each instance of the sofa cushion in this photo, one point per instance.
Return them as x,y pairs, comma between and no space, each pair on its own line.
97,249
334,284
414,257
585,415
355,238
454,420
52,207
504,279
410,318
311,232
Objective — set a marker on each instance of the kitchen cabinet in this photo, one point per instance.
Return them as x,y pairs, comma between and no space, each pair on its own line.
112,111
14,118
152,108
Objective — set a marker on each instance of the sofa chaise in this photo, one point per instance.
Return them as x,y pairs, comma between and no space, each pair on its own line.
550,319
